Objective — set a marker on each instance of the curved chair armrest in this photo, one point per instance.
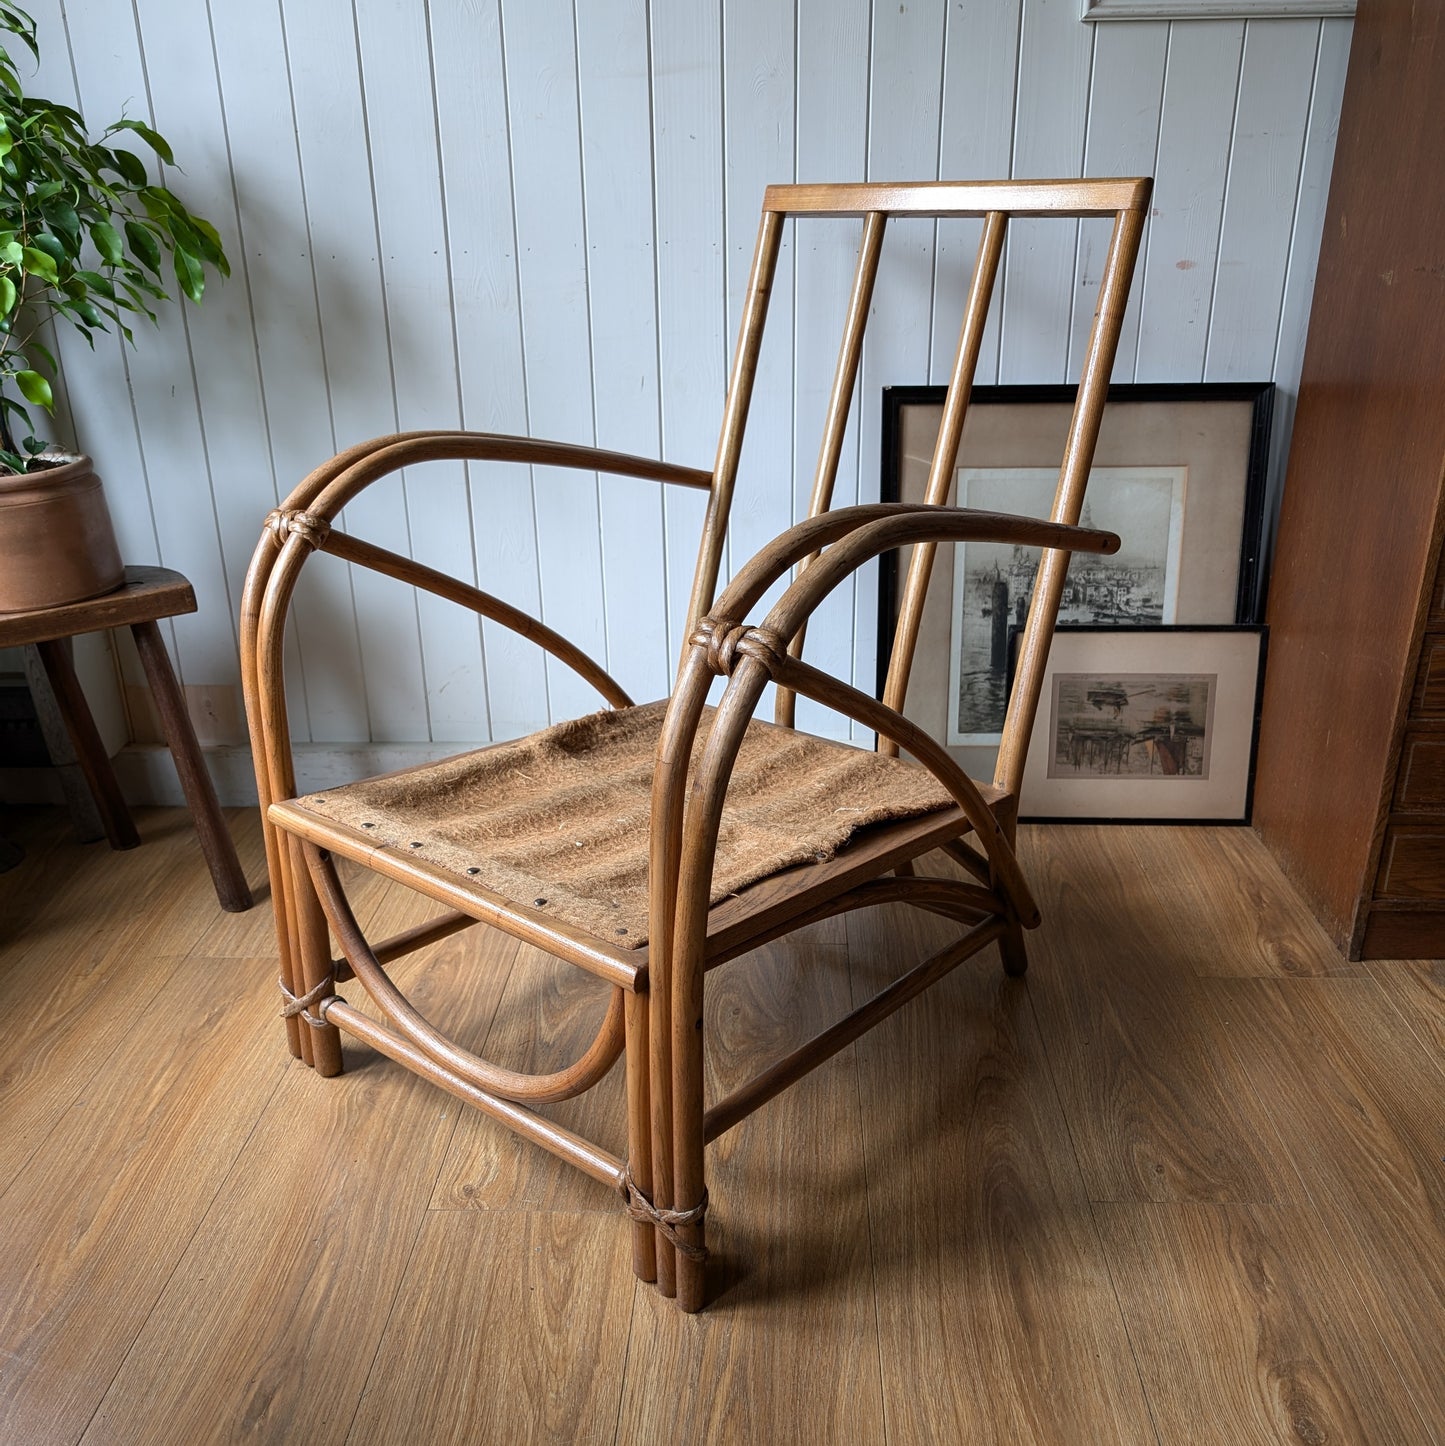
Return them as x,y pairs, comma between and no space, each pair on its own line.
335,483
888,525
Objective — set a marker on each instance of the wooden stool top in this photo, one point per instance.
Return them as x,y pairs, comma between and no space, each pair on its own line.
146,594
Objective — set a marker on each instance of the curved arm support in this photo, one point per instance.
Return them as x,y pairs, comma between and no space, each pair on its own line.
893,524
821,687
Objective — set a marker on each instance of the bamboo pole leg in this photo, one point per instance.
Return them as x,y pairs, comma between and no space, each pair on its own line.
1015,953
313,945
690,1186
639,1133
1011,947
216,844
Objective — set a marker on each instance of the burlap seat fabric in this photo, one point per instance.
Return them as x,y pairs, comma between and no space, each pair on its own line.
559,820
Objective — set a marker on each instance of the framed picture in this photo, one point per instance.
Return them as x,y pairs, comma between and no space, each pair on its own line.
1155,724
1213,9
1178,473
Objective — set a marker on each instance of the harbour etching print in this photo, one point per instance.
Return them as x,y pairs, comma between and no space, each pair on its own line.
993,582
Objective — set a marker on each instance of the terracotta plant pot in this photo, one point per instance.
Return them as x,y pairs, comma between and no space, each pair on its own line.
57,544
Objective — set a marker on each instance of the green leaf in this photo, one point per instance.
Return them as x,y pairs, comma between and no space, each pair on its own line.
190,274
12,253
52,246
107,242
7,143
156,142
33,445
96,282
7,295
34,388
66,224
45,353
37,263
130,166
143,246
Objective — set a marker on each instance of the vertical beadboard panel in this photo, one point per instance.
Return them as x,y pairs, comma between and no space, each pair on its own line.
111,79
274,261
557,348
1265,154
980,81
331,125
1200,88
905,106
614,90
688,216
477,178
1123,137
832,144
417,296
186,101
544,226
1055,53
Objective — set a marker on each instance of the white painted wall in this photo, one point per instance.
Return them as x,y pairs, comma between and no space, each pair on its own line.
537,216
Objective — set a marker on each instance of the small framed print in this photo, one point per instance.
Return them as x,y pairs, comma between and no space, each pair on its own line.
1146,724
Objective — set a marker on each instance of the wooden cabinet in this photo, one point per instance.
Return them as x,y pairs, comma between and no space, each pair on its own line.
1350,790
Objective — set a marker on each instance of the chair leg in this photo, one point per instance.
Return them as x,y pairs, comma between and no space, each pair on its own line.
689,1192
639,1132
313,945
1011,945
1015,953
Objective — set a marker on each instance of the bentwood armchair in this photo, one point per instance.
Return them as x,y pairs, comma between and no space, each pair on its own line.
692,834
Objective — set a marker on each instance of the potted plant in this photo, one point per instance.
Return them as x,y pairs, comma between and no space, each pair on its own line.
84,238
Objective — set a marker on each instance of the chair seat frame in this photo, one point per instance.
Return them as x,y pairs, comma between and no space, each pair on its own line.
654,1016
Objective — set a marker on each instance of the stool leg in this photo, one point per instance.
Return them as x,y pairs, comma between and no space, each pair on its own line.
216,844
89,750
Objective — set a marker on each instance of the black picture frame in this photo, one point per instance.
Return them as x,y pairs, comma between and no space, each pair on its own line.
1173,640
1237,458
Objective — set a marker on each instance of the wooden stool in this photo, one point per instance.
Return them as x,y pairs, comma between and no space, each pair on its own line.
148,593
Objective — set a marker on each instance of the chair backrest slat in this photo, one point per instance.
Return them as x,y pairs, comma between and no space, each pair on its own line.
945,458
1069,498
850,353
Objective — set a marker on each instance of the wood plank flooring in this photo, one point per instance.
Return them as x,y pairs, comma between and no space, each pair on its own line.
1184,1183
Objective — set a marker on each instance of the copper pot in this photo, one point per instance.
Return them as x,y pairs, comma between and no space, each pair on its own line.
57,544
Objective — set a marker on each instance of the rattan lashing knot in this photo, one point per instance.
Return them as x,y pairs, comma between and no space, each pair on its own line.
300,1004
312,530
640,1208
727,641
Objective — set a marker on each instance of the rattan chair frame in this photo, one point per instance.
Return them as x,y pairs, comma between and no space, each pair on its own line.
654,1016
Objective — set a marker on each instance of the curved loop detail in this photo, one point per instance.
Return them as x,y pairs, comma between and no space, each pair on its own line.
564,1084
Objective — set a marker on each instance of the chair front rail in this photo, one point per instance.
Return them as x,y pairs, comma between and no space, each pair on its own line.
961,902
824,1045
564,1084
591,1159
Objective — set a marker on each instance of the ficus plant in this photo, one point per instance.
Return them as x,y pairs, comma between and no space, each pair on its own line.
85,238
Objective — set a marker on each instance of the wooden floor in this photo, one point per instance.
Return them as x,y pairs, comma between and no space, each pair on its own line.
1184,1184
